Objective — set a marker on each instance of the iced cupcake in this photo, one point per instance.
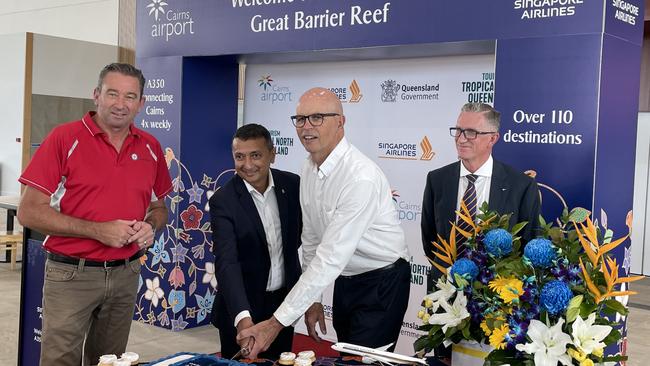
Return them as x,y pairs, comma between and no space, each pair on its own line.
287,358
302,361
308,354
132,357
122,362
107,360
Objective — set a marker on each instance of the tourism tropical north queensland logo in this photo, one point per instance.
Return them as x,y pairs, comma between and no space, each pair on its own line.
169,23
273,92
406,150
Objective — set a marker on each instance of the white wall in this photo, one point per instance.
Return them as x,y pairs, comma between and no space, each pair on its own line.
68,68
12,90
640,259
87,20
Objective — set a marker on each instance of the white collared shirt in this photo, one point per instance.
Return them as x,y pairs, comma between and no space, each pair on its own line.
350,225
267,208
482,184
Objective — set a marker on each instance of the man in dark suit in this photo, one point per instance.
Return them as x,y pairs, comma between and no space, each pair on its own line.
256,226
505,189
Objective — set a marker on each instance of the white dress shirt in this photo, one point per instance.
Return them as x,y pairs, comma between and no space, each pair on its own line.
482,184
350,225
267,208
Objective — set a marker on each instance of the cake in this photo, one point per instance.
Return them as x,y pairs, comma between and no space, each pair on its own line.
287,358
107,360
132,357
308,354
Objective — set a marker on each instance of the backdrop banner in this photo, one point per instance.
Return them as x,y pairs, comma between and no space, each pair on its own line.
398,113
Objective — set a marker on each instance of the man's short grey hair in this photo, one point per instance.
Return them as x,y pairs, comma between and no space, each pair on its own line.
492,115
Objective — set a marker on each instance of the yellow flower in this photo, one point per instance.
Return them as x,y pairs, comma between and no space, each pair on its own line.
497,339
485,328
428,303
421,314
425,318
598,352
578,355
587,362
509,289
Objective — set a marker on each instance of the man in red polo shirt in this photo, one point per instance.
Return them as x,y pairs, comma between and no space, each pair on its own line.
96,187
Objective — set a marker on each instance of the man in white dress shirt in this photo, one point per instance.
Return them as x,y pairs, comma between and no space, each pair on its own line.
351,236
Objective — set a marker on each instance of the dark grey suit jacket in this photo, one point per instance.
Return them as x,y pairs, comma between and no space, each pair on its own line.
511,191
242,261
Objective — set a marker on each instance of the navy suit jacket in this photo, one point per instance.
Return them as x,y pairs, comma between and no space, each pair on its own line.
511,191
242,260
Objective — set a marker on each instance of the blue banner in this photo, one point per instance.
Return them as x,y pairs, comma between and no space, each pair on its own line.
209,27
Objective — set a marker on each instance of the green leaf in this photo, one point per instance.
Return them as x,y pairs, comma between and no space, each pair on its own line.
613,306
574,308
517,228
579,214
556,234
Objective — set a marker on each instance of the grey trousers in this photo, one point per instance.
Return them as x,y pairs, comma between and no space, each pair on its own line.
87,311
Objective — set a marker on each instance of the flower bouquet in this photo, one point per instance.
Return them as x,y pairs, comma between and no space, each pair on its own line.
549,302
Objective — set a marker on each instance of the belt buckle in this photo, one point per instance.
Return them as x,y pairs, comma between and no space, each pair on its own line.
105,265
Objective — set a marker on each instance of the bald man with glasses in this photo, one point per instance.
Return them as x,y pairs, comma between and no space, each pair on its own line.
351,237
476,178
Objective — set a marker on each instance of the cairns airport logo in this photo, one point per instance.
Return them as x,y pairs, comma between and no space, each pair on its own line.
349,94
273,93
392,91
406,151
406,211
169,23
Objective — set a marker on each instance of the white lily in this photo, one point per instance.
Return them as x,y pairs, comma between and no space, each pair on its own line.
586,336
548,344
453,315
446,290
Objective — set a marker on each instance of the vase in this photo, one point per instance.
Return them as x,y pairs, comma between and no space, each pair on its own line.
469,353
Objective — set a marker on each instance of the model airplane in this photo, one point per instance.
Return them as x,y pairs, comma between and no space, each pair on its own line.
370,355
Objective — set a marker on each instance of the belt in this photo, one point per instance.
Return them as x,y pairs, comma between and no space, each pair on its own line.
378,270
75,261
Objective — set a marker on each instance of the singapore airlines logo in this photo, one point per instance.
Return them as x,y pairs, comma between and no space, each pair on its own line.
356,92
157,8
265,81
406,150
427,149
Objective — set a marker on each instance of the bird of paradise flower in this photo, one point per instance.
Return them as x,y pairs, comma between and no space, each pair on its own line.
596,253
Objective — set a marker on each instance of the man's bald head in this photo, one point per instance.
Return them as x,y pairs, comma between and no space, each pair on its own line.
323,97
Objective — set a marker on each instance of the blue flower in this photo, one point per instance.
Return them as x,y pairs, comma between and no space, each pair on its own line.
465,268
555,297
498,242
540,252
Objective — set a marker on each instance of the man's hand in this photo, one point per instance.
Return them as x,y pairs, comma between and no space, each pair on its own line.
116,233
313,315
264,333
144,234
246,344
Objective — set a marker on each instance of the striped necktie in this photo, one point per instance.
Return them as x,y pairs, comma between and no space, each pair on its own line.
470,200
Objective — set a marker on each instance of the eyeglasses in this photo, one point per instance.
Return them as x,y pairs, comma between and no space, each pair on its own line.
315,119
469,133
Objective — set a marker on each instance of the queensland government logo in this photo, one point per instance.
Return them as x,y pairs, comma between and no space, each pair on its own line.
350,94
406,151
392,91
272,92
169,23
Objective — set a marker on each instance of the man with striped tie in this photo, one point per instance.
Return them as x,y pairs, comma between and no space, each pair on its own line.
474,179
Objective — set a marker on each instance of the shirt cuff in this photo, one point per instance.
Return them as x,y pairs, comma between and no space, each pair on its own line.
242,315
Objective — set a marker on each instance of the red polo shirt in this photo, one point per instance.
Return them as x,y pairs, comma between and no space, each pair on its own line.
88,179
